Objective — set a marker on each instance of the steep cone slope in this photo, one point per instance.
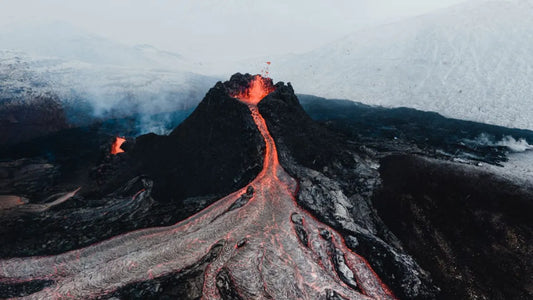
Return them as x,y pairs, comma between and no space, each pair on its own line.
257,243
216,150
299,135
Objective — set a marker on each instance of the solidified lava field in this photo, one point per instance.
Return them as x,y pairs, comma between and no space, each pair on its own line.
257,244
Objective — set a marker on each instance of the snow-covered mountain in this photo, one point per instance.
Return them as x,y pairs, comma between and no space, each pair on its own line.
473,61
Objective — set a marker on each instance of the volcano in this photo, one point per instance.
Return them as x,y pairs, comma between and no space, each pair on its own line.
250,198
258,243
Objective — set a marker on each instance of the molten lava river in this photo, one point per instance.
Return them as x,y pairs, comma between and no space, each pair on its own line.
257,242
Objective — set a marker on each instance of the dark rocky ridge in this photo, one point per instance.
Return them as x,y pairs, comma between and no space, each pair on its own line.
405,129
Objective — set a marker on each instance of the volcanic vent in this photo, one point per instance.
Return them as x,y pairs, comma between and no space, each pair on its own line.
255,243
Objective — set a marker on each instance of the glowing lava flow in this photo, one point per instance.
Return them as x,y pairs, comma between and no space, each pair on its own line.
115,148
257,243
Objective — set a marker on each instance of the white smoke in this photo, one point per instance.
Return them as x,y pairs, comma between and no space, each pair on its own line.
514,145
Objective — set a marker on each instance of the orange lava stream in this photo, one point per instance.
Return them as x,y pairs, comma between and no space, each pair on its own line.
115,148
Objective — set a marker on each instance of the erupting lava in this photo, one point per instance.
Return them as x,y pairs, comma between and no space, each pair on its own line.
115,148
257,244
254,93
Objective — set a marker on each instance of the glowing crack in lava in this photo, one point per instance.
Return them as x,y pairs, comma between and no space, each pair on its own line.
115,148
257,242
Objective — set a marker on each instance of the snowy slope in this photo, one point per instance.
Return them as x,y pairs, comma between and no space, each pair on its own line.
473,61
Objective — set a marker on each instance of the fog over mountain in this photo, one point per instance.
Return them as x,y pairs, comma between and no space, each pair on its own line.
473,61
63,40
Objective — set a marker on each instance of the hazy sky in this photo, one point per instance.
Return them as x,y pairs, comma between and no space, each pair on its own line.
231,29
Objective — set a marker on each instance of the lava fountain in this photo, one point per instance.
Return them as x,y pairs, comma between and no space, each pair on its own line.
257,243
115,148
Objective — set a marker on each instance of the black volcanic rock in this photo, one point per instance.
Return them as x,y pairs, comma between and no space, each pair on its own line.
469,228
216,150
304,138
